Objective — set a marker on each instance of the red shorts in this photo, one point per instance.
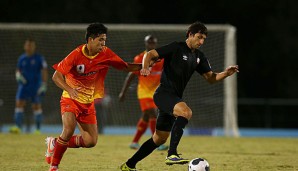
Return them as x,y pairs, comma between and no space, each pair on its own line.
85,113
147,103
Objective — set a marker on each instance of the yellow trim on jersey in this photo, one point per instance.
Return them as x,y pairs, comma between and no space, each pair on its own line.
90,57
80,98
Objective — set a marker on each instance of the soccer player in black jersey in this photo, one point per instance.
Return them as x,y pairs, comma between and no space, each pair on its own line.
181,59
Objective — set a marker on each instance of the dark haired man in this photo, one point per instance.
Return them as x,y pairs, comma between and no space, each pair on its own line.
181,59
81,77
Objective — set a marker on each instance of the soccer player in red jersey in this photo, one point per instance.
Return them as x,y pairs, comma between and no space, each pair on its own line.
146,88
81,77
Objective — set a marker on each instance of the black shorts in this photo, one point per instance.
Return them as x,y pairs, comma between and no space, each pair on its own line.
165,101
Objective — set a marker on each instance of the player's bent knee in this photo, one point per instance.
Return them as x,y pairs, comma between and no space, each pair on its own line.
160,139
187,113
91,143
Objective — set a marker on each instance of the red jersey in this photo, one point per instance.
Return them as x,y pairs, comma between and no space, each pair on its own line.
87,73
147,85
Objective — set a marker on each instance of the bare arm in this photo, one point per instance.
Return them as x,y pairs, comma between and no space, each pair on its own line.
133,67
59,80
213,77
44,74
150,56
130,76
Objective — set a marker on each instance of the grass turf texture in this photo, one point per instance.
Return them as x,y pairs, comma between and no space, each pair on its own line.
26,152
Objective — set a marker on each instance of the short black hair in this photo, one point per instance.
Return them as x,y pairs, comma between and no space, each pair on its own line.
30,39
197,27
94,30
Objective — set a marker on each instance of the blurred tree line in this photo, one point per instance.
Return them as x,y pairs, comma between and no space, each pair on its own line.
267,50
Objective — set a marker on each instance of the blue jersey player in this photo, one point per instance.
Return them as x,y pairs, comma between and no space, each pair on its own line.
31,76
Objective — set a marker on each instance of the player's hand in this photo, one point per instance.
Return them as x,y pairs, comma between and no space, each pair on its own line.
73,92
42,89
20,78
121,97
145,71
231,70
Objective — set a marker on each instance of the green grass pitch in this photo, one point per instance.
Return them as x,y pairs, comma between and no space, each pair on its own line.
26,152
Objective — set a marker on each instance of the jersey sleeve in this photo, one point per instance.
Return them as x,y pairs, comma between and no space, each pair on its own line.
167,50
44,64
116,61
67,63
203,66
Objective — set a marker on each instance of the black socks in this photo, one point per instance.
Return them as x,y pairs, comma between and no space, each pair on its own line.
176,134
146,148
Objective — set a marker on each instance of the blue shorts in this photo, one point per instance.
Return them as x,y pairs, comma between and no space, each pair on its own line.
28,93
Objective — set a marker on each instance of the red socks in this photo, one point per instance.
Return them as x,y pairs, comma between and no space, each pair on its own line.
152,124
76,141
60,148
141,128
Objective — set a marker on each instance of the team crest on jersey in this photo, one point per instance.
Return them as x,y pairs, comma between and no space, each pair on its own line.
198,60
81,68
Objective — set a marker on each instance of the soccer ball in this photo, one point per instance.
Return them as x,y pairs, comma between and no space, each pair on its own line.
198,164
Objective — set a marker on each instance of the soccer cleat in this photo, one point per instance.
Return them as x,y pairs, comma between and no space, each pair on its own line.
50,142
15,130
134,146
37,132
124,167
53,168
175,159
162,147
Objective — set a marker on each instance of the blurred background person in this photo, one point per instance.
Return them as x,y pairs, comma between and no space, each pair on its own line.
146,89
31,76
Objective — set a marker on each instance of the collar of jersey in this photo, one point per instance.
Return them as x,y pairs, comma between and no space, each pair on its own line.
90,57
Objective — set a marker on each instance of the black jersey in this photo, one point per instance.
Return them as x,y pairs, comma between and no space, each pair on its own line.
179,65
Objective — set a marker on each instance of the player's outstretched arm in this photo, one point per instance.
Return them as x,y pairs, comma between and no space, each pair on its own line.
148,60
59,80
130,76
213,77
133,67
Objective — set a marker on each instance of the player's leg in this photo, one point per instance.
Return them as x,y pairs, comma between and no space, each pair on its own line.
171,103
141,129
69,124
18,116
152,113
21,97
37,111
164,124
87,124
158,138
89,135
182,113
141,125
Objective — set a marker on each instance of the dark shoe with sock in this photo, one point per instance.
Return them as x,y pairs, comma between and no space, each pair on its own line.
124,167
175,159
